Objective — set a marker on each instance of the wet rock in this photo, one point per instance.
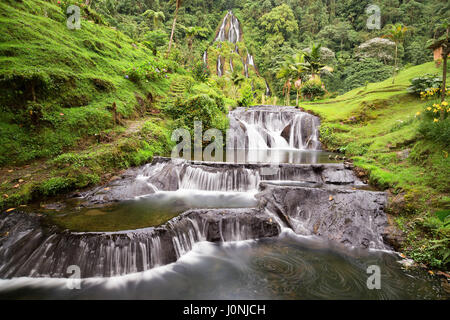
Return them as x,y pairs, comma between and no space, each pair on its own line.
29,248
354,217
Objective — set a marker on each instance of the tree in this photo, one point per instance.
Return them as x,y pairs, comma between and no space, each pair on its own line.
177,7
192,32
378,48
155,39
397,35
280,21
156,16
313,61
285,73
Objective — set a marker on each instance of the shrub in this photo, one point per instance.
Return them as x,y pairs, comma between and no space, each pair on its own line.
246,96
207,108
150,71
438,132
425,83
201,72
313,89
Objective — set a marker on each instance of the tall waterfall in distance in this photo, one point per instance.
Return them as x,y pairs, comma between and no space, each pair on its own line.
234,31
219,66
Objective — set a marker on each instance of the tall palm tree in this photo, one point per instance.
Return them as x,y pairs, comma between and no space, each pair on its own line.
298,71
292,69
192,32
156,16
177,7
285,73
313,61
397,35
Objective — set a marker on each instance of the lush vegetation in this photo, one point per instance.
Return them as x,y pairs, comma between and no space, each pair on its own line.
402,145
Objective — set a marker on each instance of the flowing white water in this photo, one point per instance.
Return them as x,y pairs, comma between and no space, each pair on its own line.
219,66
272,129
234,30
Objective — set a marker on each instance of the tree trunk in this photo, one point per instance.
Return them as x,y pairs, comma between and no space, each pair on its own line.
444,82
395,63
173,30
445,53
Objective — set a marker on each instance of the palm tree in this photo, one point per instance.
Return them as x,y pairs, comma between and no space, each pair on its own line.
298,72
193,32
157,16
177,7
285,73
292,69
313,61
397,35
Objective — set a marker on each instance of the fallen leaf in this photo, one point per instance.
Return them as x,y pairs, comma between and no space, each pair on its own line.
10,170
270,220
61,114
331,198
10,209
21,180
16,186
106,189
6,196
430,272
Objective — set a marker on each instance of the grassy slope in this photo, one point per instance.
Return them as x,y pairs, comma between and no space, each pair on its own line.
377,127
76,75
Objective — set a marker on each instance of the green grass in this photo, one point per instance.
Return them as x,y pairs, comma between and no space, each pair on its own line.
377,128
59,85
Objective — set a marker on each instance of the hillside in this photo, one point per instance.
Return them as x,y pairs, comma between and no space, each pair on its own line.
378,127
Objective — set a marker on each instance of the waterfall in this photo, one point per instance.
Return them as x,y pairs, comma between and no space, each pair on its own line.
205,57
234,30
245,68
268,92
231,65
274,128
219,66
250,60
197,178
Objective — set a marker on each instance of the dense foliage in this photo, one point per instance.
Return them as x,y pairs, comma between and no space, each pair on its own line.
274,29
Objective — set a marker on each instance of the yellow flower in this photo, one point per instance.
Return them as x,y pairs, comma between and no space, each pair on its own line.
436,120
429,108
418,113
435,110
445,103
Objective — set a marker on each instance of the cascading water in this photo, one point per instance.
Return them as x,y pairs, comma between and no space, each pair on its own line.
231,23
31,250
274,128
219,66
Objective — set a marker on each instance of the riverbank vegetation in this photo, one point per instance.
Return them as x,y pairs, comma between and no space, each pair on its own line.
401,143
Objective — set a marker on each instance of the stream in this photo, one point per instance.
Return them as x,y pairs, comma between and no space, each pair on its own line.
183,229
